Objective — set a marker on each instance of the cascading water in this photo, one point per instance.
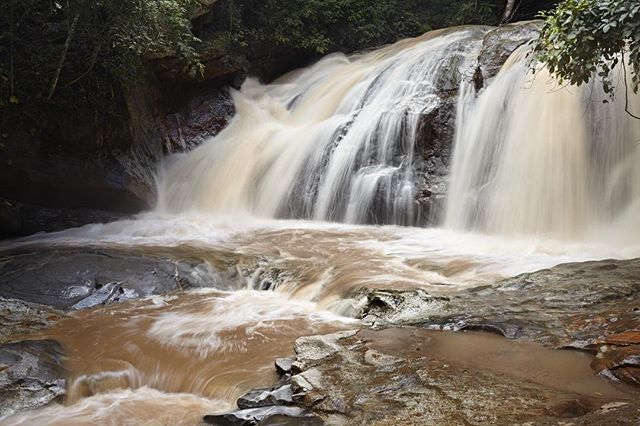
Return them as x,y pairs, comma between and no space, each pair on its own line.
332,142
535,157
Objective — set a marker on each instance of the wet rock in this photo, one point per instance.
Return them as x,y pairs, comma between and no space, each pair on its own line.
571,305
500,43
284,365
349,387
318,347
276,415
19,318
266,397
31,375
206,116
622,363
81,278
20,219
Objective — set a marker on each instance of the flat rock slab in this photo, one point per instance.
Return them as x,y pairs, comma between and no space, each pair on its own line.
31,375
411,376
574,305
83,278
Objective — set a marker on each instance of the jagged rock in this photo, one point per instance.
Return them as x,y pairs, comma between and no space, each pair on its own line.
622,363
284,365
203,119
276,415
81,278
31,375
266,397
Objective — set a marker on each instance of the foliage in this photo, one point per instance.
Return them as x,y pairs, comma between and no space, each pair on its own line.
586,38
322,26
71,55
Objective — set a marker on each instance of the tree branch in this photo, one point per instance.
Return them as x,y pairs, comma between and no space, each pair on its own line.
94,59
63,55
626,89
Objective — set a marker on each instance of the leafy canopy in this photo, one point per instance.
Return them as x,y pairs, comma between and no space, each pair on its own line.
586,38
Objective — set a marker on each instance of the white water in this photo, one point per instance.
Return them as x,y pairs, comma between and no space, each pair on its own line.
536,158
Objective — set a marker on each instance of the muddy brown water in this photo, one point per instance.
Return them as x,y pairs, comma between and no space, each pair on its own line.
169,360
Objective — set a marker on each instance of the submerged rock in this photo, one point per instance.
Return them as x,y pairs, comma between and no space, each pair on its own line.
31,375
81,278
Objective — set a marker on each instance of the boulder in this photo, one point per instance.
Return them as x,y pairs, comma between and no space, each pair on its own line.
572,305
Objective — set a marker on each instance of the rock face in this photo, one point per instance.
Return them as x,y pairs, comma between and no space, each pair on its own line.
80,278
19,219
31,375
397,376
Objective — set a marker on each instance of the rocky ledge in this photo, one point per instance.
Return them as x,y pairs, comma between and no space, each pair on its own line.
413,376
444,359
591,306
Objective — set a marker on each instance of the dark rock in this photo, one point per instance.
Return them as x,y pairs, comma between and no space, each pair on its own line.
31,375
81,278
266,397
276,415
202,119
501,42
19,219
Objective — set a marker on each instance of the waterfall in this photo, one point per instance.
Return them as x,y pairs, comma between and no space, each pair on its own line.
533,156
335,141
340,141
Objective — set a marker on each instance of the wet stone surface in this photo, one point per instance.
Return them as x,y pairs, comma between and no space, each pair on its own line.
84,278
415,377
576,305
31,375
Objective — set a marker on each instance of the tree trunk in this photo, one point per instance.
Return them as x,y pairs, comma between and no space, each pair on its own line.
509,11
63,56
